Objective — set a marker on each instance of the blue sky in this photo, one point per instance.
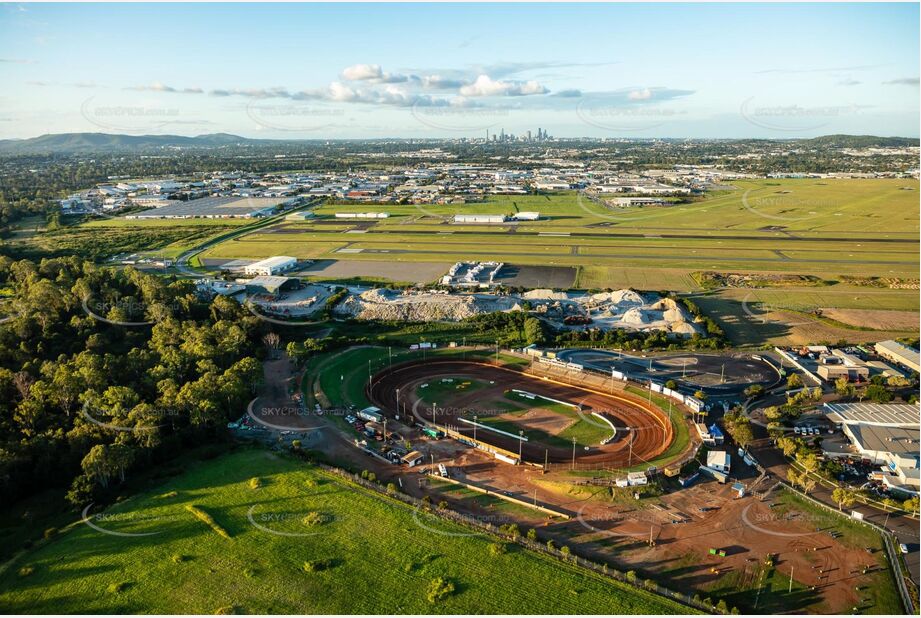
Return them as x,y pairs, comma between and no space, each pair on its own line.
453,70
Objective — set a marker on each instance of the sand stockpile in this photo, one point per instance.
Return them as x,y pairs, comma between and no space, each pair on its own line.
625,309
421,306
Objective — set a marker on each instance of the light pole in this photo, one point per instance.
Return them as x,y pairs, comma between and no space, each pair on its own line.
630,460
497,351
398,403
573,452
474,428
520,442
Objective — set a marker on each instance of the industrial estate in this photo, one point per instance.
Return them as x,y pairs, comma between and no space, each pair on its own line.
508,372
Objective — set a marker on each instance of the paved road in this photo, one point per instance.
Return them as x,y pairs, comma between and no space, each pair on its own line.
739,371
182,262
518,232
491,250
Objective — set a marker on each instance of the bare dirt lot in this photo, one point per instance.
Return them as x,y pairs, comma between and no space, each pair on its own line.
878,319
556,277
817,563
413,272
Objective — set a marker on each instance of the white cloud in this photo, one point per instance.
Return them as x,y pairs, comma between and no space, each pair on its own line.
640,95
362,72
485,86
372,73
903,81
158,87
437,82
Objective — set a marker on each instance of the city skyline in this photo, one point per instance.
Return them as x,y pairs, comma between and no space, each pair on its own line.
449,71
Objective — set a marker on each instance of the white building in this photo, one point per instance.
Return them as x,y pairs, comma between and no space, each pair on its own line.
270,266
474,218
885,434
718,460
526,216
362,215
898,353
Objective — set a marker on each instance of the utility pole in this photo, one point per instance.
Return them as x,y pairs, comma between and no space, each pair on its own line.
723,373
474,427
573,452
630,460
390,355
497,352
369,373
791,581
520,442
398,402
546,459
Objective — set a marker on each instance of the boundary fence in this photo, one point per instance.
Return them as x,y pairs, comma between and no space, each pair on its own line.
598,569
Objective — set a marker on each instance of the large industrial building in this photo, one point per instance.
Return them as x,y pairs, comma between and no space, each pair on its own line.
212,208
885,434
479,218
270,266
899,353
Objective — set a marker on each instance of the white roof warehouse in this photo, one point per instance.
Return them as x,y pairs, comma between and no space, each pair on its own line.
886,434
898,353
270,266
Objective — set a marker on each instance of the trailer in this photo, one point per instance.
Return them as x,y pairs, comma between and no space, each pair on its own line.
413,459
720,477
371,413
433,433
636,478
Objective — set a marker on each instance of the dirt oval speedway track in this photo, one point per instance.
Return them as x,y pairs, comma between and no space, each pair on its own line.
649,429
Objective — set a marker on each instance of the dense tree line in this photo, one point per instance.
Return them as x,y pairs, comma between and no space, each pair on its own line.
85,401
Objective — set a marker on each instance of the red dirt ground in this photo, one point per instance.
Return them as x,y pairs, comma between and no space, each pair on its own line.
650,431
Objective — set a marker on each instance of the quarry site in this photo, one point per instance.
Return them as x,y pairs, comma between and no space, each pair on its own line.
626,309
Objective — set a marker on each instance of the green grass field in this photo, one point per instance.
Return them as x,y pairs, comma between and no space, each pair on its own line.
303,542
586,433
835,222
826,228
440,391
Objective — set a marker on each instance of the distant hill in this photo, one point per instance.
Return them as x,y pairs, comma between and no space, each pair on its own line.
861,141
105,142
70,143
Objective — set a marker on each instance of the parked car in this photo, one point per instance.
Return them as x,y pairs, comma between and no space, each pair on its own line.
903,548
